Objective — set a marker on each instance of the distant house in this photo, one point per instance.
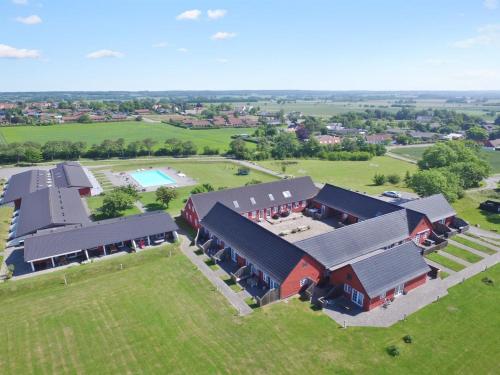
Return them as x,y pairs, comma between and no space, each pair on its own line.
376,139
493,143
452,136
219,121
328,140
142,111
7,105
423,119
424,136
196,123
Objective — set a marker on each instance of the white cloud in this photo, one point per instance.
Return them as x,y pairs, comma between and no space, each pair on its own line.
192,14
222,61
479,74
30,20
9,52
223,35
215,14
437,61
20,2
160,45
103,53
490,4
182,49
486,35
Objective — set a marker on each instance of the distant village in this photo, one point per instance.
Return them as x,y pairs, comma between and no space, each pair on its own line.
403,127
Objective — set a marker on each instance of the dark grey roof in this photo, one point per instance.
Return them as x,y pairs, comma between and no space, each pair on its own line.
267,251
24,183
384,271
435,207
355,240
301,188
70,174
53,242
357,204
50,207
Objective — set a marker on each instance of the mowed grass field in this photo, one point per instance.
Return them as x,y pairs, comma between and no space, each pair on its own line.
468,209
355,175
128,130
160,315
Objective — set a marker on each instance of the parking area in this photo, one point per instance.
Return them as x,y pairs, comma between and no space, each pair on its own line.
297,226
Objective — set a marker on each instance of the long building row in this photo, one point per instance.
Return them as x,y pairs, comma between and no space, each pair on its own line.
371,257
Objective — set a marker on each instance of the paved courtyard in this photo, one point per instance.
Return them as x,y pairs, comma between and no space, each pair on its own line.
308,226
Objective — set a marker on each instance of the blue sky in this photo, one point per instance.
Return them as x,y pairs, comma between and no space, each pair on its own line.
260,44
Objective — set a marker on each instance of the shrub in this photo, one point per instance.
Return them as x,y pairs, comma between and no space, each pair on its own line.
394,179
379,179
408,339
393,351
488,281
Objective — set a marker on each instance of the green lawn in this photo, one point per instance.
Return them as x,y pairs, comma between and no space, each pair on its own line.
129,130
493,158
5,218
95,203
448,263
462,254
468,209
160,315
349,174
474,245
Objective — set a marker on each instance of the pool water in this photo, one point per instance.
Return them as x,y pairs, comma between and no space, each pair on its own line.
152,178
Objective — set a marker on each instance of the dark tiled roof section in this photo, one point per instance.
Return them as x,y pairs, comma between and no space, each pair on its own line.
24,183
435,207
267,251
357,204
240,199
349,242
70,174
69,239
382,272
50,207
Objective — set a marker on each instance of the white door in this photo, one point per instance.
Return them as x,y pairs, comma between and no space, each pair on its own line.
399,290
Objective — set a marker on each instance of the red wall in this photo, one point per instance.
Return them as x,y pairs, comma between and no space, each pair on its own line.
339,277
307,267
424,225
84,192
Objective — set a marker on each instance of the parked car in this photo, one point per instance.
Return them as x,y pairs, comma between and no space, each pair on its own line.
491,206
392,194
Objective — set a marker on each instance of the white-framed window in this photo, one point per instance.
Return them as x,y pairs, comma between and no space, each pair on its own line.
234,256
236,204
357,297
254,213
275,209
442,221
273,284
265,277
295,204
287,194
347,288
271,197
252,199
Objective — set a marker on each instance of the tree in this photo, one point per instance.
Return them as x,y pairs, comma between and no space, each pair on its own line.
130,190
189,148
205,188
165,195
238,148
434,181
437,156
149,144
477,133
108,147
84,119
379,179
311,147
497,120
33,155
78,148
286,145
114,203
394,179
470,174
50,149
133,148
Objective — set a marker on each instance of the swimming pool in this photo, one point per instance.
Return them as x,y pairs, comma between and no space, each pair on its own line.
152,177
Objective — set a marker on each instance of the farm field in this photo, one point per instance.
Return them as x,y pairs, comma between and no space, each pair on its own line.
355,175
128,130
160,315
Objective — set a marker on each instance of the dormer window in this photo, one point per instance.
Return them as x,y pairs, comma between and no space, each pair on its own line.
287,194
271,197
236,204
252,199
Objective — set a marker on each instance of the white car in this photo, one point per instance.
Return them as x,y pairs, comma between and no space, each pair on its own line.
392,194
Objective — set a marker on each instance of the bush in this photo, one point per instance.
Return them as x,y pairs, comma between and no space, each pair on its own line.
393,351
488,281
379,179
394,179
408,339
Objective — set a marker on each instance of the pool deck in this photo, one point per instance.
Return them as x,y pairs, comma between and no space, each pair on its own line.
125,178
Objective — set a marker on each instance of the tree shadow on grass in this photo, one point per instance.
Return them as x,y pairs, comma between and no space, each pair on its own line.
155,207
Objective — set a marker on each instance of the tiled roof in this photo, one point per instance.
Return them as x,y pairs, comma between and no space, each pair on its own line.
435,207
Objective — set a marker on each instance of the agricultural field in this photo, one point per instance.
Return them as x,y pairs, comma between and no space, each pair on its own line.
128,130
355,175
160,315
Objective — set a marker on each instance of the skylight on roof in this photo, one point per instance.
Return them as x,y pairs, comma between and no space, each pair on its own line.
287,194
236,204
252,199
271,197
